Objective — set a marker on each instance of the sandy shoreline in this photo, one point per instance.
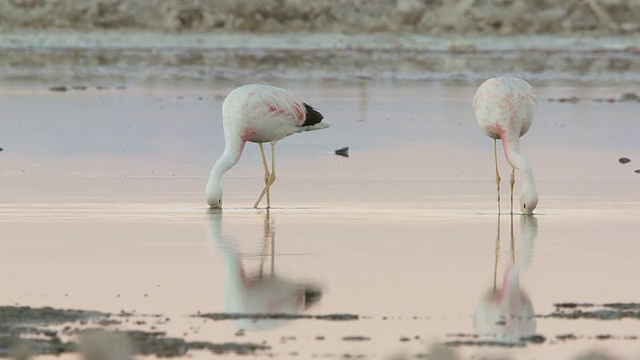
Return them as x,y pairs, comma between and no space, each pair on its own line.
456,43
67,56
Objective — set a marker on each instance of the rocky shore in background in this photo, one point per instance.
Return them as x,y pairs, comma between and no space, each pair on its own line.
504,17
118,41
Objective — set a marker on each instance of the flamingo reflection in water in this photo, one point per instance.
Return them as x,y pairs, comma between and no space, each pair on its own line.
505,312
260,293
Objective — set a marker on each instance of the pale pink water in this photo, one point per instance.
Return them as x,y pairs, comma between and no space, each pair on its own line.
102,208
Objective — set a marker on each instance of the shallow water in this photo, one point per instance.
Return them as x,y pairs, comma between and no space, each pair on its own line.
102,209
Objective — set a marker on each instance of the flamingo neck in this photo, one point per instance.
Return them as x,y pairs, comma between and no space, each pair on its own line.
520,163
232,151
224,163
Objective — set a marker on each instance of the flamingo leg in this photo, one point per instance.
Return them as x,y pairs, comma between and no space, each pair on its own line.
512,182
495,263
495,157
269,177
272,178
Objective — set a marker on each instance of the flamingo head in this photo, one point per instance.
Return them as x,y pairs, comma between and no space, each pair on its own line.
528,202
213,194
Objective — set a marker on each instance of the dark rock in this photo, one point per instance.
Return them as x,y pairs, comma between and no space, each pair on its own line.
344,152
356,338
565,337
534,339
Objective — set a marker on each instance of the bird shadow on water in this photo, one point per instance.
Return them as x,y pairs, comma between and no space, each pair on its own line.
259,298
505,315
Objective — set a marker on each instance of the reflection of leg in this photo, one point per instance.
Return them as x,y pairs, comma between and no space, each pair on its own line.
513,242
512,182
267,175
273,251
495,264
495,157
265,242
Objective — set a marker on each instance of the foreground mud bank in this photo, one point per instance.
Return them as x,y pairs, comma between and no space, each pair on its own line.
39,331
418,16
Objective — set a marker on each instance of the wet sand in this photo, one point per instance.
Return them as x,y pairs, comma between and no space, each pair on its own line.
102,210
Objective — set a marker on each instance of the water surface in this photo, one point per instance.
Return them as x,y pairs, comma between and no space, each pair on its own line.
102,209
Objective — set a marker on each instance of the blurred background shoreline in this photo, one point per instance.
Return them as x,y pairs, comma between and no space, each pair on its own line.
503,17
465,40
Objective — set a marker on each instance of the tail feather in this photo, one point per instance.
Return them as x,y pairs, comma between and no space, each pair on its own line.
312,117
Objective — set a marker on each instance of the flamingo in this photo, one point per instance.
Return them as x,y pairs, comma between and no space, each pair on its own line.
504,108
258,113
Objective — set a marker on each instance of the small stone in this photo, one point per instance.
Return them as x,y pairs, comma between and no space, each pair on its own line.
565,337
637,171
624,160
356,338
344,152
535,339
572,100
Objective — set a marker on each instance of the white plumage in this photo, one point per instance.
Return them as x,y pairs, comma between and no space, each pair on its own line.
258,113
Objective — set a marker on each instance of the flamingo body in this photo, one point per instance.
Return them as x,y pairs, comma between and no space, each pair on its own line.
258,113
504,108
262,113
